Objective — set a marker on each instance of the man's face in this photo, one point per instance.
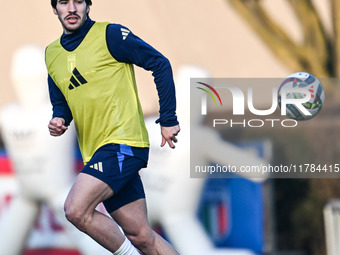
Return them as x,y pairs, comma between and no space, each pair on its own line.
72,14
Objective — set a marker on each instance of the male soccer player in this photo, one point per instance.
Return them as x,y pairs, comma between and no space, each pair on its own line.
91,81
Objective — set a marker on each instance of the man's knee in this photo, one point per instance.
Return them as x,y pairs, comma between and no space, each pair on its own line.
141,239
76,216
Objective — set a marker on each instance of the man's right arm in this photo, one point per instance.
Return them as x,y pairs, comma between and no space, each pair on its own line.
62,115
59,104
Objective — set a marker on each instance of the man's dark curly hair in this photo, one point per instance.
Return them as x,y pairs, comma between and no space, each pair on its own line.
54,3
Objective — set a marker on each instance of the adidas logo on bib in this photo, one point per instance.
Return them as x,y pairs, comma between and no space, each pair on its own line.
76,79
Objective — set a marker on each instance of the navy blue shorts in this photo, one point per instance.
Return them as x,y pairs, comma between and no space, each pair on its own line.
117,165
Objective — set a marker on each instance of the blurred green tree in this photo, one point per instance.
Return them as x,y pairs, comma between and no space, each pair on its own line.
319,53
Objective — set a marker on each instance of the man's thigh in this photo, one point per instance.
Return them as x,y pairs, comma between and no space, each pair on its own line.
87,192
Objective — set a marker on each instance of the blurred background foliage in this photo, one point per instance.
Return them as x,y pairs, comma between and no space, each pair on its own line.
319,51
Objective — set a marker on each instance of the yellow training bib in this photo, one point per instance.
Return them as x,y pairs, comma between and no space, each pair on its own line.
100,91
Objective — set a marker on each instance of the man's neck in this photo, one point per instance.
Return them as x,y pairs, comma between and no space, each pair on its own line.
71,41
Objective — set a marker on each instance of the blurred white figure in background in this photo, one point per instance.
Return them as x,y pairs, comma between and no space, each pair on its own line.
43,165
172,196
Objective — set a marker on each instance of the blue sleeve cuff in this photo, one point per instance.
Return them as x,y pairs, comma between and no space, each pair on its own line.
60,113
169,123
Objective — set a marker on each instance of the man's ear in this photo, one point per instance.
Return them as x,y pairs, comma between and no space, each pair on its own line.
55,11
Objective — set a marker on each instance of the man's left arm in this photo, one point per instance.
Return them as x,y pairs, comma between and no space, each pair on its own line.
131,49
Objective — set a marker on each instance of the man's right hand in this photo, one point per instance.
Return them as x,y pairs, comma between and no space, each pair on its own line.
57,126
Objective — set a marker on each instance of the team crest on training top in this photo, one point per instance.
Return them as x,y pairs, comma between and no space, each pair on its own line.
71,62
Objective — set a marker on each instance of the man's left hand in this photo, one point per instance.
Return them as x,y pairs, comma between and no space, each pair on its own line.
169,135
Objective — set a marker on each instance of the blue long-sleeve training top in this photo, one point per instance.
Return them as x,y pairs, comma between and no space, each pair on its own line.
131,50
